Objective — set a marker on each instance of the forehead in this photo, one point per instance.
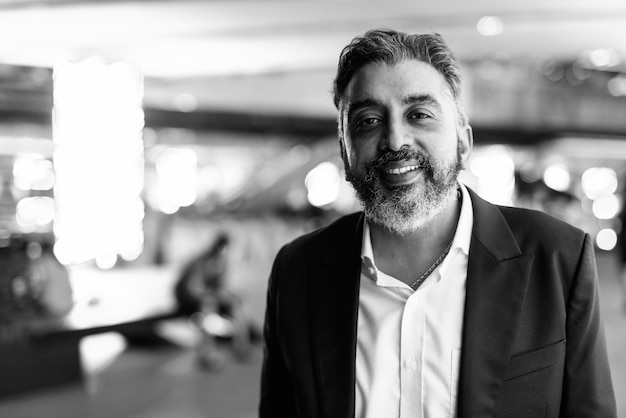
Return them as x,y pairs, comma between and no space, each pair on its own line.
381,82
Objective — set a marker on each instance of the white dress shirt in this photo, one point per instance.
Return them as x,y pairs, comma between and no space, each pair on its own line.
409,342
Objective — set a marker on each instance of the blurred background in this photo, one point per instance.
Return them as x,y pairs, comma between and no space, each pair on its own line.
134,135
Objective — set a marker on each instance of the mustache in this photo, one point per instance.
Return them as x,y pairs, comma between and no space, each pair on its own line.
405,153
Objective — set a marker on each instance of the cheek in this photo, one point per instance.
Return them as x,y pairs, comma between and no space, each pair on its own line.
361,155
450,146
351,152
444,155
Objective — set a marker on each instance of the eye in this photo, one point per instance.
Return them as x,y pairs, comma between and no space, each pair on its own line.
419,115
366,123
369,121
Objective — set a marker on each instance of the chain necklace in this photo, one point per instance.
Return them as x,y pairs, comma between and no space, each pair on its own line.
436,264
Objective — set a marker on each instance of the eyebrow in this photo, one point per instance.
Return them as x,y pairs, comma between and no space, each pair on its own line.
425,99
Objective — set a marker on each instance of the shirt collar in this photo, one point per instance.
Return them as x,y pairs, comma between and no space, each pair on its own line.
462,236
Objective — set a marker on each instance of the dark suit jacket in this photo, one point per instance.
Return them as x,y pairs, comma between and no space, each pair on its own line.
533,341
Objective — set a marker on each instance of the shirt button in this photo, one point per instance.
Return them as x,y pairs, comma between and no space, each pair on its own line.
411,364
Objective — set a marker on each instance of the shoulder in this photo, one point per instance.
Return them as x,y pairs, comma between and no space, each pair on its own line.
530,224
340,233
534,222
555,244
532,230
558,249
328,245
331,244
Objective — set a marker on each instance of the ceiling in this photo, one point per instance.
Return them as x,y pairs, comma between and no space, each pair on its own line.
280,55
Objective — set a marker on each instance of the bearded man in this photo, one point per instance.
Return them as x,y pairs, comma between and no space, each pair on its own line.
431,302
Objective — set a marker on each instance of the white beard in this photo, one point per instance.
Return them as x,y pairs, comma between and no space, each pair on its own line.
407,211
404,210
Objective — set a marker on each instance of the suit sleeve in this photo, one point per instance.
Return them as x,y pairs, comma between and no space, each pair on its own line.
587,390
277,398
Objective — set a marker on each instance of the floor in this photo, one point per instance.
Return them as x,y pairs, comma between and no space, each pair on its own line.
163,381
160,381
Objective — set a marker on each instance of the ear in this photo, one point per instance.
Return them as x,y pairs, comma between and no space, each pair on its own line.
341,138
466,142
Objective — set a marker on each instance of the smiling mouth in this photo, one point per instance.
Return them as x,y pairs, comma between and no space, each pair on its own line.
397,176
401,170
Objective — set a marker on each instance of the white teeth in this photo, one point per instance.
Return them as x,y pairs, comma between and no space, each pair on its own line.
401,170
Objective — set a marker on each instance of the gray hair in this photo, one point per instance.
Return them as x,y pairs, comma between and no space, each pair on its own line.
391,47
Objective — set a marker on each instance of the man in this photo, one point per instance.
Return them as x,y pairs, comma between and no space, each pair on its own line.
433,302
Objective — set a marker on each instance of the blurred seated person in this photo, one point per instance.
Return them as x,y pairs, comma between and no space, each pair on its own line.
52,280
216,310
35,288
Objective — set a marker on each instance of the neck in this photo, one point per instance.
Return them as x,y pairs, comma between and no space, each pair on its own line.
405,257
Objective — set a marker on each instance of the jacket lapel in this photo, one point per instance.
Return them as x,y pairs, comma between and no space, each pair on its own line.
497,280
334,301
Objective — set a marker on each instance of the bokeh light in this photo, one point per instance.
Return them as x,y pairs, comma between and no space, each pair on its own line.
494,170
33,172
489,26
557,177
598,181
606,239
605,206
323,184
33,212
177,171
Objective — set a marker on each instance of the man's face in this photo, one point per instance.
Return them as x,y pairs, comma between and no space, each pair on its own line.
401,144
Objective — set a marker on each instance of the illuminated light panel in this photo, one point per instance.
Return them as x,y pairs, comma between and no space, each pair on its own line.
606,239
490,26
323,184
99,164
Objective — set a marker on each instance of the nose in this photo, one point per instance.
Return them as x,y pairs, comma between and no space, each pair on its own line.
397,136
